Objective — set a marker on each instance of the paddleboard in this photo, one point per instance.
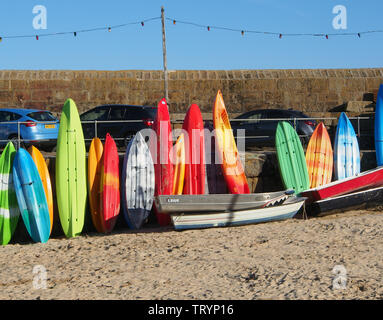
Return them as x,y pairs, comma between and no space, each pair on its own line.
195,172
160,146
96,150
137,182
319,157
379,127
227,149
291,158
42,168
110,184
179,165
31,197
71,184
9,209
346,150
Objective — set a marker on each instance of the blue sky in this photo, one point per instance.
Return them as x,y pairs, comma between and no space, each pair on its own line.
188,47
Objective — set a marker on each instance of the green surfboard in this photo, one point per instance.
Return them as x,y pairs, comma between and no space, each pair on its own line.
71,184
291,158
9,208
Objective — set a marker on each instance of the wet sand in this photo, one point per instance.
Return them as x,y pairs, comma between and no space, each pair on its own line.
292,259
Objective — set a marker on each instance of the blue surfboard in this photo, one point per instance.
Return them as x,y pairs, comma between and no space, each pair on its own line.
346,150
379,127
31,196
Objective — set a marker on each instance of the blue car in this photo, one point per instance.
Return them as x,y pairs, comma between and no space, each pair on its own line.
37,127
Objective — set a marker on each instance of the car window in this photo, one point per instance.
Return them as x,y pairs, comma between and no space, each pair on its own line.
134,114
151,113
273,114
41,116
255,117
117,113
97,114
15,116
5,116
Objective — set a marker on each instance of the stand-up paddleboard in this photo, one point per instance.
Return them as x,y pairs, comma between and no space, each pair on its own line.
96,150
226,147
9,209
137,182
179,165
195,171
71,185
346,150
31,197
45,178
110,184
291,158
160,146
379,127
319,157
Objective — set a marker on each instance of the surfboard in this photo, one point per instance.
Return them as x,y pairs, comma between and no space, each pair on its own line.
42,168
194,152
319,157
137,183
291,158
71,184
232,167
31,197
179,165
346,150
96,150
110,184
9,209
379,127
160,146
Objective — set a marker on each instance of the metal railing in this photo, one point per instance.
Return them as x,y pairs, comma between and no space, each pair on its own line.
174,123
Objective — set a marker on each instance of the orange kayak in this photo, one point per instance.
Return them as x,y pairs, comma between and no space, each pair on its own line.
232,168
94,175
42,168
319,157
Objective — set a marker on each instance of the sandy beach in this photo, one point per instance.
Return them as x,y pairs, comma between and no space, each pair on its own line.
293,259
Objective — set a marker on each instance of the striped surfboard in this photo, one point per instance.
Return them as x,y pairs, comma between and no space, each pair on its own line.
346,150
9,209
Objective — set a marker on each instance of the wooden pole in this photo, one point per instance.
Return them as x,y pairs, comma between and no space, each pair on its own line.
164,54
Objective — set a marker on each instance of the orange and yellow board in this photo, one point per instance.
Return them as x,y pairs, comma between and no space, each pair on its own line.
179,165
319,157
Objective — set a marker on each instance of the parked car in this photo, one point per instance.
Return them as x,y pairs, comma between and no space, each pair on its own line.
260,131
122,132
37,127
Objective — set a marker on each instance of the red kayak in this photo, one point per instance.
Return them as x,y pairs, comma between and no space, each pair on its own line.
194,181
368,179
110,184
160,145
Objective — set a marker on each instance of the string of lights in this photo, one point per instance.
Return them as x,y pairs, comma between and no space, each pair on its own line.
74,33
197,25
279,34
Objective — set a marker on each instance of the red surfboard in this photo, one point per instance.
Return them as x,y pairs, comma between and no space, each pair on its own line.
194,182
160,146
110,184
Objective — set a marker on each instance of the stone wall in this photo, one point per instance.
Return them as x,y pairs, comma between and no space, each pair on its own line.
307,90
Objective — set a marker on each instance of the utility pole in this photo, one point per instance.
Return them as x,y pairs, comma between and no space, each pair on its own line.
164,54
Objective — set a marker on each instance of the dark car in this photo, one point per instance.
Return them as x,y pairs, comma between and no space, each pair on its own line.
32,126
260,128
121,131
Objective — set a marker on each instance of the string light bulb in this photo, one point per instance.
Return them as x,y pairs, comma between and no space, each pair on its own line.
37,37
142,23
174,22
208,28
1,39
109,29
280,36
242,32
326,36
75,34
359,35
